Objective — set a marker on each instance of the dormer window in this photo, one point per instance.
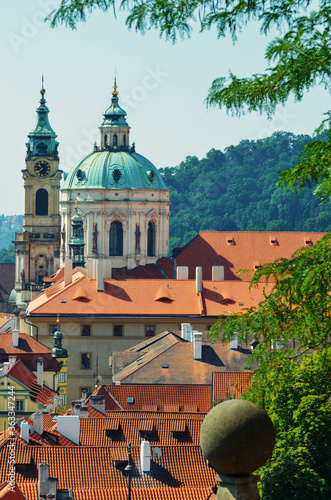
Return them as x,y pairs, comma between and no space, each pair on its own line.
273,241
230,240
146,428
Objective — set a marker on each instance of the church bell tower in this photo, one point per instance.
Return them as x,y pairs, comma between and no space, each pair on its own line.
37,248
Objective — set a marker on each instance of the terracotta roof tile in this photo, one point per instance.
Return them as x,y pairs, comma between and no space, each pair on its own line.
164,493
169,359
129,427
27,345
211,248
7,493
29,490
136,297
90,468
228,385
40,394
166,397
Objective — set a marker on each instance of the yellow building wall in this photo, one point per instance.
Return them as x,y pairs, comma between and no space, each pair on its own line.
20,392
100,344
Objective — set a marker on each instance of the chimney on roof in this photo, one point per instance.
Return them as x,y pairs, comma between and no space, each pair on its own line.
52,487
40,371
5,368
182,272
24,433
83,413
15,338
197,345
67,272
217,273
38,422
198,279
11,361
234,342
186,330
99,276
68,426
43,480
98,403
75,406
145,456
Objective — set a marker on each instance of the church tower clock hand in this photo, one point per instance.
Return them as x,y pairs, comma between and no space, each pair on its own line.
42,168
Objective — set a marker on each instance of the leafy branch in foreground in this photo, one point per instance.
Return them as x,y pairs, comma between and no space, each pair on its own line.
292,320
298,59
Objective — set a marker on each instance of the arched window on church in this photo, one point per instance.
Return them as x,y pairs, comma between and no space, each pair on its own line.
124,140
151,239
116,239
41,202
114,140
105,140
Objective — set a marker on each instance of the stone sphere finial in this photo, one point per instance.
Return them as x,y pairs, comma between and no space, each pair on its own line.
237,437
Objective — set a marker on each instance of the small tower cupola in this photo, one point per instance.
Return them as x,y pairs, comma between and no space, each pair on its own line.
42,138
114,131
58,351
76,243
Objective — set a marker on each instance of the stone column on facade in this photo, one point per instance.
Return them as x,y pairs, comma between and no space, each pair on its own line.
17,265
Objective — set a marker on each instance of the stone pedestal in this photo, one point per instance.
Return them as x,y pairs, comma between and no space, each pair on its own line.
237,487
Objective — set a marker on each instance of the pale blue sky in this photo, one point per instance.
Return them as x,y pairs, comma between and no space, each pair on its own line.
161,86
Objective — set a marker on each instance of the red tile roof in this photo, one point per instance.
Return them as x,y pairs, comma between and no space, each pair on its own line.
166,397
168,359
26,345
230,385
11,492
115,430
39,394
164,493
92,468
211,248
141,298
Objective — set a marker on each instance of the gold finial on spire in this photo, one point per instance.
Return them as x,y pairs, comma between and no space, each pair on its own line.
42,90
76,203
114,92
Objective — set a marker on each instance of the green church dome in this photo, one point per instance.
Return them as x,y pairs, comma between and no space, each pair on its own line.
114,170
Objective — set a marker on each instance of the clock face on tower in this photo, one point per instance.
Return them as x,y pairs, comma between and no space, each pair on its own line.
42,168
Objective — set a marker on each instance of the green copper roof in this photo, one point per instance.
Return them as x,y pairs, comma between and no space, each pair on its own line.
114,116
114,170
42,137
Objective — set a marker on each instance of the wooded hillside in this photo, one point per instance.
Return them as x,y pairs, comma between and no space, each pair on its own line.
235,190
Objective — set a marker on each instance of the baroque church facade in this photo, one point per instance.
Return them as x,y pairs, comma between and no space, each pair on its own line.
117,193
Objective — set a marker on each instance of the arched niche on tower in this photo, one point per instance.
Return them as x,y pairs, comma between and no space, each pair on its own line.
42,202
152,232
42,263
116,227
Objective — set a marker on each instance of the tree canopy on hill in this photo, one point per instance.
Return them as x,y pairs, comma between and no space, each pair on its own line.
236,190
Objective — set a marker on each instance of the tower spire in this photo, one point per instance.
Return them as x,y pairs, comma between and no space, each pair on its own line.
42,138
114,128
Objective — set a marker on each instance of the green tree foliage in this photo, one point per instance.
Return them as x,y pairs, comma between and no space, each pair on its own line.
301,412
292,326
7,255
297,59
236,190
